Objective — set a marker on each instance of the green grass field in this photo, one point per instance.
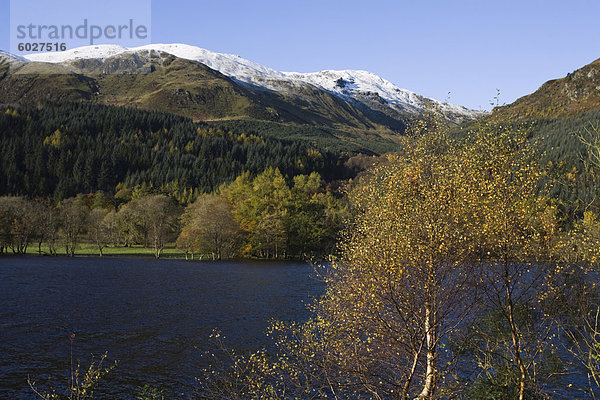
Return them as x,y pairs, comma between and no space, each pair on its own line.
89,249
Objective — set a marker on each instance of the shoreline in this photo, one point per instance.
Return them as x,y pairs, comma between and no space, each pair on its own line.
142,253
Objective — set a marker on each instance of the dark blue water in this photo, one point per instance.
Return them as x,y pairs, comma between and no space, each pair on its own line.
154,317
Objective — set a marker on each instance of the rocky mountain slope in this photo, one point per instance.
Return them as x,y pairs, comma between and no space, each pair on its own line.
577,93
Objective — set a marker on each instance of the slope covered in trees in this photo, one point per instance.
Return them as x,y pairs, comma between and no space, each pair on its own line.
558,146
62,150
559,117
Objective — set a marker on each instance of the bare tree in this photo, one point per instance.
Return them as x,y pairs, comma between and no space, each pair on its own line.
18,223
74,219
47,224
111,223
98,231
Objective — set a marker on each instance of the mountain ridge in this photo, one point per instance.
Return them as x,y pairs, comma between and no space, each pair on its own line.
361,86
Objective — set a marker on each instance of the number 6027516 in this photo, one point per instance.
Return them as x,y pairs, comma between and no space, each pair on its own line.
42,47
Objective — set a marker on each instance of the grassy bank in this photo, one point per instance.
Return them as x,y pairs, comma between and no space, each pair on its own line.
91,250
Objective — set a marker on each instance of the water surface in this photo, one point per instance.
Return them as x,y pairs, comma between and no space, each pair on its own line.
153,316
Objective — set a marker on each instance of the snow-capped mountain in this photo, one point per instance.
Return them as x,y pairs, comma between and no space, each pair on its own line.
356,86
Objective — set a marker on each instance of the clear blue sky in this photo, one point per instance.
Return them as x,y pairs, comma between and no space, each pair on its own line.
466,47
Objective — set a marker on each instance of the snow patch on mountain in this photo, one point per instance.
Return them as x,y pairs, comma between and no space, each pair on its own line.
79,53
353,84
348,83
227,64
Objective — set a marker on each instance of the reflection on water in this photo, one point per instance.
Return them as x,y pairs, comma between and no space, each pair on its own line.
154,317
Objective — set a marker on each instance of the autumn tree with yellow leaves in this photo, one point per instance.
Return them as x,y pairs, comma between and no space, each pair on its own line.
520,242
446,231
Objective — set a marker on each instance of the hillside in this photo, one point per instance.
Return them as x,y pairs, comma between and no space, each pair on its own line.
556,116
205,85
577,93
159,81
361,88
60,150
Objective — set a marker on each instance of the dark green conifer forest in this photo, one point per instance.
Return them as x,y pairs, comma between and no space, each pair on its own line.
62,150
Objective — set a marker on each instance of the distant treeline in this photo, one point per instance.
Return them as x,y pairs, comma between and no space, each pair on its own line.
261,216
62,150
